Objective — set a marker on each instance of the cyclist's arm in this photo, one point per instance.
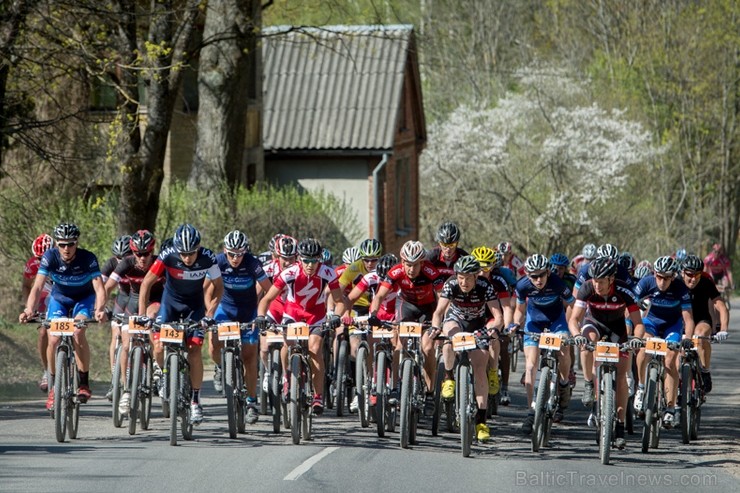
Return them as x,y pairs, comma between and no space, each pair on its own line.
520,312
101,297
264,304
33,297
498,315
340,301
378,299
146,286
638,328
263,286
110,285
26,288
217,291
575,319
724,315
688,321
439,312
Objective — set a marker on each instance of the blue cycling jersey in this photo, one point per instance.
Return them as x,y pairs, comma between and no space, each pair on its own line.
73,280
665,306
544,306
240,283
507,274
622,274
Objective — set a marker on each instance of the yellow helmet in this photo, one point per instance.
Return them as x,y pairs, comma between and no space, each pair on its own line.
484,255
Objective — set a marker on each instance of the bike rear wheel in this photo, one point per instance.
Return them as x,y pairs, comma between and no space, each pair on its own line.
146,395
264,393
341,376
116,382
651,408
686,402
606,418
330,380
406,368
514,355
540,409
307,408
464,406
134,388
296,404
61,384
229,392
273,364
362,386
73,403
437,416
173,372
381,407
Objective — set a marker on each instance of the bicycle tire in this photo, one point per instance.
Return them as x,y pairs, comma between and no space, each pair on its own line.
650,409
606,420
146,395
228,381
405,419
116,382
186,391
341,377
241,398
273,363
514,355
330,382
61,384
174,388
307,396
538,428
295,398
686,400
417,396
437,416
362,386
660,406
629,416
73,414
381,407
695,422
463,391
264,395
134,387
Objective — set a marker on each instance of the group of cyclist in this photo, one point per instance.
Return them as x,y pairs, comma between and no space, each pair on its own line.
490,293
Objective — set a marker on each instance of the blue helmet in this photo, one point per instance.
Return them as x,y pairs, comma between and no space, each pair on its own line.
186,238
559,259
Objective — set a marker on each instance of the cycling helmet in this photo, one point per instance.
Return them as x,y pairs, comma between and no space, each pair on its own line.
681,254
448,233
559,259
642,271
273,242
694,263
142,241
326,256
166,243
41,244
186,238
467,265
122,246
371,248
608,250
627,261
66,231
504,247
285,246
385,264
645,263
309,248
350,255
484,255
536,262
602,267
236,241
412,251
589,251
666,265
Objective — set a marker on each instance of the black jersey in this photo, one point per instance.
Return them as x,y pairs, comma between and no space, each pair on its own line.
608,310
470,305
704,292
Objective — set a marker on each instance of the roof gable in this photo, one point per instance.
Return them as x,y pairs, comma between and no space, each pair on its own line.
335,87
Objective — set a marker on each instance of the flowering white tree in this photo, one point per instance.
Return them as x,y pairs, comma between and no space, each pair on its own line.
544,167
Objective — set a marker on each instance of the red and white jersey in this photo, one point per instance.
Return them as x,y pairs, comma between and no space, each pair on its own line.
305,297
517,266
419,291
370,283
717,264
29,272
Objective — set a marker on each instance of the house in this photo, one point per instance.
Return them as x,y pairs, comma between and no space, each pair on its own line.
341,111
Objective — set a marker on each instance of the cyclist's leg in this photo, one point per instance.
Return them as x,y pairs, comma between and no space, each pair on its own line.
561,327
83,310
316,353
479,360
704,328
531,357
450,327
125,341
623,368
250,338
672,334
42,342
642,359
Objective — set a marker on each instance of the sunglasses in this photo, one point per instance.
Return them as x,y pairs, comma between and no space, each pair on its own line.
310,260
538,276
67,245
369,260
662,277
142,254
235,254
692,274
448,245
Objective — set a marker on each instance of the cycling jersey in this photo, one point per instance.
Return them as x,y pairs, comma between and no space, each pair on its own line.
29,272
704,293
544,306
471,305
508,276
275,310
184,284
370,283
73,280
350,277
622,275
500,285
516,265
418,291
607,311
717,265
240,286
665,306
265,258
444,266
306,296
127,271
339,269
570,280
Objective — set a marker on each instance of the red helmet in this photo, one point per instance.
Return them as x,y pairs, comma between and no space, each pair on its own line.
41,244
142,241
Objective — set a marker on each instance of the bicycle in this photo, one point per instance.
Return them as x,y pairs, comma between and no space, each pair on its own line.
176,375
278,405
330,372
692,391
413,389
515,346
654,403
341,384
66,408
547,398
232,376
363,378
116,390
141,370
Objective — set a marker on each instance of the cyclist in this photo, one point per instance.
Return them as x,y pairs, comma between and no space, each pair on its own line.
446,253
327,258
349,256
718,265
78,292
370,251
462,307
627,261
680,256
544,300
511,261
560,263
670,318
185,266
598,315
132,270
588,253
241,273
417,282
39,246
305,284
703,291
269,255
605,250
120,249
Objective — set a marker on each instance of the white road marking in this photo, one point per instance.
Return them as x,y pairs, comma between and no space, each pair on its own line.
308,464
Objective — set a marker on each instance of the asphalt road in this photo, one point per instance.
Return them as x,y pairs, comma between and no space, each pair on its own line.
345,457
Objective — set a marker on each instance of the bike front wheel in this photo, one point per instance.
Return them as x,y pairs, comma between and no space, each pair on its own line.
134,388
296,404
61,384
146,395
606,421
116,382
362,383
464,390
341,376
380,404
229,381
686,402
173,372
405,425
540,409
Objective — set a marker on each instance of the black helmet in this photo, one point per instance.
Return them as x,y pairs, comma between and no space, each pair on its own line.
371,248
602,267
467,265
122,246
693,262
627,261
448,233
66,231
309,248
385,263
142,241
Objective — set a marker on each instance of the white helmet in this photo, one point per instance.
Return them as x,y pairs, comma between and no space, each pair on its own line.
412,251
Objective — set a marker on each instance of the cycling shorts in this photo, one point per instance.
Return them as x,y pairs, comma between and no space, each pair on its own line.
233,314
612,334
558,326
670,333
172,311
408,312
466,325
57,309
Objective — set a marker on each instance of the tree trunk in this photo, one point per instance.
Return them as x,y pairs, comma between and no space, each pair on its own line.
229,47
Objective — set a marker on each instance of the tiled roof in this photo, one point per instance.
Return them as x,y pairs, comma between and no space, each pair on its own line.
333,88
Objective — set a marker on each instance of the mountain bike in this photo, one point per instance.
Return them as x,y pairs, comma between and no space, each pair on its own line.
363,376
384,411
232,376
515,347
654,403
692,391
413,389
330,369
341,384
547,398
278,406
116,381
